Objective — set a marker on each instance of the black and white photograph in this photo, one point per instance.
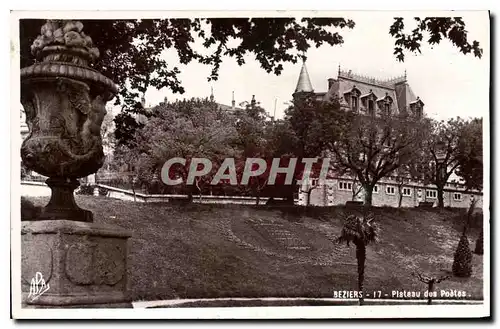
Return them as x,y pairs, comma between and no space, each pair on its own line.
250,165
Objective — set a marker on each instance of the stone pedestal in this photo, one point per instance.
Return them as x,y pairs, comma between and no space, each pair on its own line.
83,264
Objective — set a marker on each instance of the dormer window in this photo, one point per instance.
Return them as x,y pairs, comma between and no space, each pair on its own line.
417,108
368,102
352,96
385,105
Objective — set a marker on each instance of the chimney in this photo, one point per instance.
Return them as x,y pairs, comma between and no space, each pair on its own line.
253,100
143,102
330,83
233,102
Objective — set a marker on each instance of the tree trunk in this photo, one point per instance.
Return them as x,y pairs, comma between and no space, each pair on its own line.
400,195
368,195
430,289
440,194
308,202
361,257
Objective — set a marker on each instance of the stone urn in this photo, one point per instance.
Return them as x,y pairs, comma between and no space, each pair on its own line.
64,101
83,262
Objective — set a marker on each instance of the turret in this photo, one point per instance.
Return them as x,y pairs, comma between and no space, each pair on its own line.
304,83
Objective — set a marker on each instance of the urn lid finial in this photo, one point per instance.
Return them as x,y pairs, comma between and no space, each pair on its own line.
64,41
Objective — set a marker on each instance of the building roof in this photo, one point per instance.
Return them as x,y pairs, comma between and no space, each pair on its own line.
304,83
229,108
397,89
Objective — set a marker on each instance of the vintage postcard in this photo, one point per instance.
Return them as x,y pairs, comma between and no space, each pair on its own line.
250,165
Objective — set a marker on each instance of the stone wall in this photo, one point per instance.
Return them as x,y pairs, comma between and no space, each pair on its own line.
122,194
34,189
339,191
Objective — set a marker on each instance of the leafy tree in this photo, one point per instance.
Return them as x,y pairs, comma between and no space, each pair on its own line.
372,147
305,137
440,156
251,127
470,154
187,129
361,232
438,29
131,49
305,116
282,143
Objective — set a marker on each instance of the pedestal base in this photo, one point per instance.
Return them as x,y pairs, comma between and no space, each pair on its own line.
68,264
62,203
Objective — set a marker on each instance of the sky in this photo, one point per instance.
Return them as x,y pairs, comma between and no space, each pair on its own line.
448,82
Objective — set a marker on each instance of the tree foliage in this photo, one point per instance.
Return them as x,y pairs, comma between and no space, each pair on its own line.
372,147
188,129
361,232
131,50
470,154
451,145
305,117
437,29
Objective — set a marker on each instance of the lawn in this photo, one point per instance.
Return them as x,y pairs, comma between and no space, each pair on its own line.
209,251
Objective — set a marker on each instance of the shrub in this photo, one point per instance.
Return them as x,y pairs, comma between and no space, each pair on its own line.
28,210
85,190
462,261
89,190
479,245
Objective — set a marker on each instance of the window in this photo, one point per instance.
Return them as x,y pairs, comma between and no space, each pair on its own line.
406,191
375,189
416,110
371,107
390,190
431,194
418,113
314,182
354,103
457,196
387,108
345,186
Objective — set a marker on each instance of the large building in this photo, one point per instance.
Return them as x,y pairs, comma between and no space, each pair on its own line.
370,96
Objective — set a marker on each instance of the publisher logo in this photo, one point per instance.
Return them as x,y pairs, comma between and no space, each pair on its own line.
37,287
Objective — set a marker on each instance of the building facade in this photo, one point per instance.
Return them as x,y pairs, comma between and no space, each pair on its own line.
370,96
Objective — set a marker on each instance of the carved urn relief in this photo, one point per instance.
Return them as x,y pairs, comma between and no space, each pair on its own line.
64,101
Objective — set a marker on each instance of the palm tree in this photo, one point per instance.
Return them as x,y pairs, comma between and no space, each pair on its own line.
360,231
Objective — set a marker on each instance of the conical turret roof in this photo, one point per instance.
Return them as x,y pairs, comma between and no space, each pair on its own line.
304,83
